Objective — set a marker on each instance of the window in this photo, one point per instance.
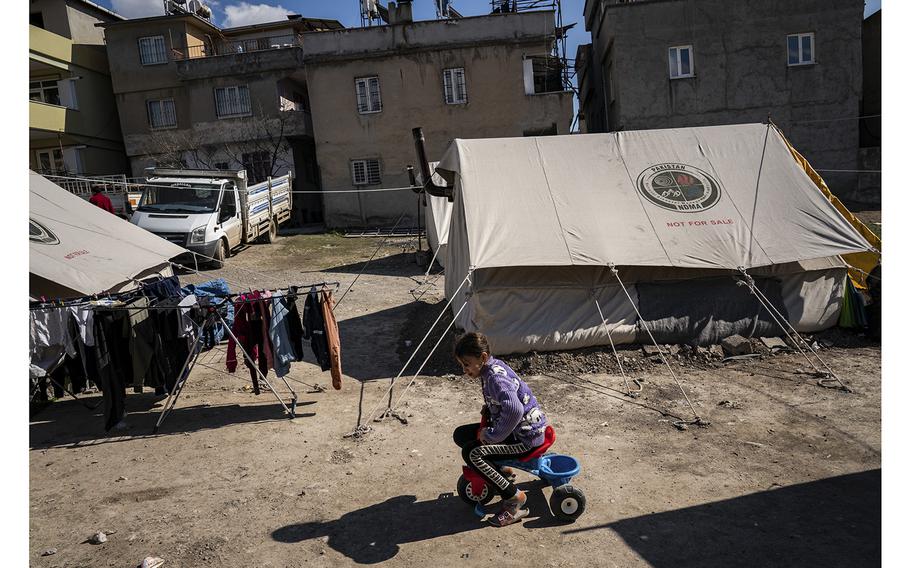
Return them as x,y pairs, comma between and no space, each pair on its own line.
44,91
162,113
368,97
542,74
232,101
36,19
258,166
801,49
365,172
681,62
152,51
51,161
453,86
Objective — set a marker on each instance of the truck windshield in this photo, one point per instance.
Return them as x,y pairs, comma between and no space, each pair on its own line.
182,198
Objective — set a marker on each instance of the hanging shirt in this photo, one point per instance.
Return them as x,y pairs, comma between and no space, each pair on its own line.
333,337
279,333
84,317
314,330
186,326
251,327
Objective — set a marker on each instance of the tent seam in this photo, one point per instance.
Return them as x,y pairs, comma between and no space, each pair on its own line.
562,229
640,203
730,196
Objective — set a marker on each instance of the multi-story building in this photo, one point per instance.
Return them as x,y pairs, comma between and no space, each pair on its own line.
191,94
677,63
73,129
474,77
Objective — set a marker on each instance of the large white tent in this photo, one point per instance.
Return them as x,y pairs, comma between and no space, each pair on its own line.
77,249
538,222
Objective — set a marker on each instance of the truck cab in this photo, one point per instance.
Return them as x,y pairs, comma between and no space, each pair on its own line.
213,212
202,214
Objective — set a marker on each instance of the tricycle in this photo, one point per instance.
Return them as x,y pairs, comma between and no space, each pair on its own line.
566,503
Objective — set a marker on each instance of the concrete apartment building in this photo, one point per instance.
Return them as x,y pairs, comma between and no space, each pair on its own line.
191,94
678,63
473,77
73,128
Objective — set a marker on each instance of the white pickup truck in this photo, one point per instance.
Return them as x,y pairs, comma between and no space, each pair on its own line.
212,212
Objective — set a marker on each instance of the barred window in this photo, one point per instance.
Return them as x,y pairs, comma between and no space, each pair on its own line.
369,98
365,172
453,84
162,113
152,50
232,101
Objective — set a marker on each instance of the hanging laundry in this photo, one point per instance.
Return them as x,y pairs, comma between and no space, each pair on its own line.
115,367
217,288
251,328
49,338
185,327
334,338
164,288
314,329
142,344
285,332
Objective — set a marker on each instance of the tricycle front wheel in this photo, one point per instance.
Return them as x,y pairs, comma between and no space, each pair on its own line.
567,503
467,494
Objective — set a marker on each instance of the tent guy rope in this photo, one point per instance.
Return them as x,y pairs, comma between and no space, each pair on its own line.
622,371
697,420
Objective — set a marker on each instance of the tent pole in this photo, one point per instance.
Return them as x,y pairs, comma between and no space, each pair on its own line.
182,377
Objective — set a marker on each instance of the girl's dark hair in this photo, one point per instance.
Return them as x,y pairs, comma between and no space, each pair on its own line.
472,344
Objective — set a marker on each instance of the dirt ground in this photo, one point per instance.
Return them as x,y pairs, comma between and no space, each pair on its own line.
786,474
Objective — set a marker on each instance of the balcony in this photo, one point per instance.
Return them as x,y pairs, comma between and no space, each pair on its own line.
43,116
239,56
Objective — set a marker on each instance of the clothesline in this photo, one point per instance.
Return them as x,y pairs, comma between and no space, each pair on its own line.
133,295
144,185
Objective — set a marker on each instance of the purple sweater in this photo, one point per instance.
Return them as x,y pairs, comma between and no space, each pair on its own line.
513,408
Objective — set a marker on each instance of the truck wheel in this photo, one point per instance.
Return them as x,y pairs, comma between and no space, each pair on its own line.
221,252
272,235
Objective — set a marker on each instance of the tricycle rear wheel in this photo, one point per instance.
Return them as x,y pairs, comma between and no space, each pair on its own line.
567,503
467,495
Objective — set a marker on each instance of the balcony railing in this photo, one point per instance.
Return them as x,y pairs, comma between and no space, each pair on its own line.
239,46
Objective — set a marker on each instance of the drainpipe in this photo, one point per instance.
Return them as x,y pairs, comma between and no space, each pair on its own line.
428,185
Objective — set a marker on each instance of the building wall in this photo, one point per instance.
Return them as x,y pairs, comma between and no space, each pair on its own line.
871,129
741,71
83,126
411,83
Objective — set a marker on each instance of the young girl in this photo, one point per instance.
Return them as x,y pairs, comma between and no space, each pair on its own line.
514,424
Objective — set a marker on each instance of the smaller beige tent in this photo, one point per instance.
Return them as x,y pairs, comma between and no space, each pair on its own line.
78,249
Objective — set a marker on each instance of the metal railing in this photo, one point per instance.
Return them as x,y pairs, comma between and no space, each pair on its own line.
116,187
231,47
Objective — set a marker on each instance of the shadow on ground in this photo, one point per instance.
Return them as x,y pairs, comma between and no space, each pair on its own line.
400,264
831,522
69,422
375,534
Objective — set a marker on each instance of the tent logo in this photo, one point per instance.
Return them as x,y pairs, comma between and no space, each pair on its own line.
38,233
679,187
